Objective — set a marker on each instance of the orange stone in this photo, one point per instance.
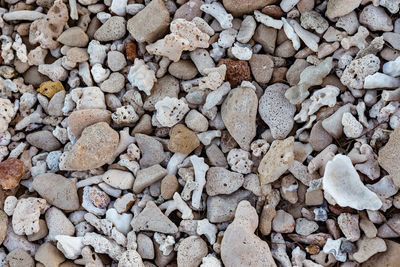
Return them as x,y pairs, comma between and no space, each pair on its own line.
182,140
11,172
312,249
130,50
236,71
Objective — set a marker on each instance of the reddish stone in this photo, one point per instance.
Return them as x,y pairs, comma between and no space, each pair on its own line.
236,71
273,11
11,172
130,50
337,210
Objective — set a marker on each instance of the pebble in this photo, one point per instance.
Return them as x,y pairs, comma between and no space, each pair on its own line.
114,84
118,179
25,219
283,222
183,69
240,246
266,36
319,138
49,255
95,200
240,120
276,110
222,181
78,55
238,7
196,121
74,36
145,26
116,60
57,190
58,224
182,140
267,215
93,149
130,50
50,88
236,71
19,257
78,120
43,140
42,233
339,8
145,247
305,227
11,172
3,226
56,104
262,67
151,149
167,86
387,156
152,219
169,185
390,257
148,176
348,223
113,29
393,39
376,19
367,247
191,251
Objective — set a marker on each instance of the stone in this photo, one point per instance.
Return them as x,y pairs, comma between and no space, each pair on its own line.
182,140
305,227
119,179
348,223
49,255
266,36
339,8
50,88
56,104
387,156
390,257
196,121
94,148
236,71
78,55
25,219
148,176
376,19
78,120
240,119
239,8
169,185
131,257
261,67
3,226
167,86
189,10
276,110
95,200
368,247
130,50
42,233
116,60
44,140
267,215
58,224
11,172
114,84
293,73
151,149
276,161
74,37
191,251
19,257
145,246
57,190
222,181
283,222
319,138
152,219
145,26
113,29
183,69
240,246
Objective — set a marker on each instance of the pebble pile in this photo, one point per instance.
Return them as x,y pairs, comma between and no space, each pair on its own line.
142,133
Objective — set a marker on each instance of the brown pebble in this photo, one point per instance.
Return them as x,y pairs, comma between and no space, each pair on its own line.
130,50
337,210
169,185
11,172
312,249
182,140
279,75
236,71
273,11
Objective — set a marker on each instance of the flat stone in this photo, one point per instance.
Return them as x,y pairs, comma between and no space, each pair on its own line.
148,176
145,246
78,120
189,10
151,149
367,247
222,181
74,36
183,69
375,18
44,140
349,224
283,222
261,67
116,60
49,255
240,246
56,104
389,258
305,227
11,172
119,179
19,257
93,149
77,54
182,140
145,26
239,7
388,158
57,190
276,110
266,36
319,138
58,224
238,112
113,29
339,8
152,219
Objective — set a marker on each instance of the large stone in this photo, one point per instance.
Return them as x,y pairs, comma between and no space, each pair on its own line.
387,259
388,156
182,140
151,23
57,190
78,120
276,110
239,112
240,246
152,219
11,172
339,8
95,148
240,7
19,257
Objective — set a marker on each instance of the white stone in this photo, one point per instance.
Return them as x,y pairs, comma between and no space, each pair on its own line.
267,20
119,7
121,221
291,34
323,97
204,227
239,161
381,80
241,52
218,11
99,73
25,219
247,29
392,68
170,111
311,40
70,246
141,76
177,204
227,38
97,52
166,243
352,128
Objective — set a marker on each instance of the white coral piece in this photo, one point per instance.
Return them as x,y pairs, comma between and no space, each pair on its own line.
141,76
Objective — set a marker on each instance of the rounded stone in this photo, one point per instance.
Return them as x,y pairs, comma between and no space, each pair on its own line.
183,69
44,140
182,140
191,251
74,36
113,29
80,119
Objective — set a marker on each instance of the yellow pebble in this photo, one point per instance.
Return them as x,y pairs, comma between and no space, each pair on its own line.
50,88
